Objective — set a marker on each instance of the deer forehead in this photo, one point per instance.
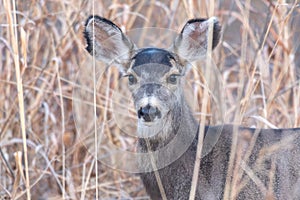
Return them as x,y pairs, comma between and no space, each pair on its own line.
153,62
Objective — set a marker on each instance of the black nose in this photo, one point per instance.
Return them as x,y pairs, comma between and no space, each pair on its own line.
149,113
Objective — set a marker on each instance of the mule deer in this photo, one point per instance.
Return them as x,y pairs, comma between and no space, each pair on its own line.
267,160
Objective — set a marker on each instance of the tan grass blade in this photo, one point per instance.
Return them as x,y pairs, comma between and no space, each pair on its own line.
12,21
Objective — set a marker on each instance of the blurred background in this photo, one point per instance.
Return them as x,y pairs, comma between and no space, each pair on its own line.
256,76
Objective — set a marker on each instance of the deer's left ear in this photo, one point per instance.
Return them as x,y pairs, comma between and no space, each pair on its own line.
106,41
192,42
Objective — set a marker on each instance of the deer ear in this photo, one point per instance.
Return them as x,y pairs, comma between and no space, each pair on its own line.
192,42
106,41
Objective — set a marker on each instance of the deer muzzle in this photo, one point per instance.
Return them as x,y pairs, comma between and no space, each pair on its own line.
149,113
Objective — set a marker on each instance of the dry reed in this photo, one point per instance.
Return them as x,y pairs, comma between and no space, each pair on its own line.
46,149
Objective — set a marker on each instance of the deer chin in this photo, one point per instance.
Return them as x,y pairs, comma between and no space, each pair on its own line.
154,129
150,129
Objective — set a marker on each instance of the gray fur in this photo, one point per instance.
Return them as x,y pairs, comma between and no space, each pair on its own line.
274,150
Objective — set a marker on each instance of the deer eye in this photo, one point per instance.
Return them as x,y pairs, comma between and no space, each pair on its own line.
172,78
131,79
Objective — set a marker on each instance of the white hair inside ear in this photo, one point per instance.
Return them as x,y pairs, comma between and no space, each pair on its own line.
191,44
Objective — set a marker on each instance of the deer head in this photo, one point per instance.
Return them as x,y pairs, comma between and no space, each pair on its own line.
154,75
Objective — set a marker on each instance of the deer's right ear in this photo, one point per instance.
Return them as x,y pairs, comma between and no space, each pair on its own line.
106,41
192,42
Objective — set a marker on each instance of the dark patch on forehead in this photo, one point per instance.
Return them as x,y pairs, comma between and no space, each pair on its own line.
153,55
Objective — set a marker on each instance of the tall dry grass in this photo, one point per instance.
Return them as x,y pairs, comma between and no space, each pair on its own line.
42,153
